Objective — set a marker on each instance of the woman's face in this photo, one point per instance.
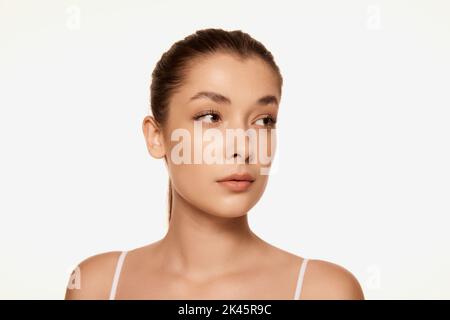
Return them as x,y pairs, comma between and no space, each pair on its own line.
198,135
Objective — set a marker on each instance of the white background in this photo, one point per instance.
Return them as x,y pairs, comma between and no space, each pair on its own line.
362,176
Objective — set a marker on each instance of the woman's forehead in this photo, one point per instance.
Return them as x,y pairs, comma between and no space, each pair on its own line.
248,79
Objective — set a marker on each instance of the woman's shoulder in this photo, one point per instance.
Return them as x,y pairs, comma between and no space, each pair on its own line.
326,280
92,278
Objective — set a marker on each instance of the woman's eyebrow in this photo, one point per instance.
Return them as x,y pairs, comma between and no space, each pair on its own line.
221,99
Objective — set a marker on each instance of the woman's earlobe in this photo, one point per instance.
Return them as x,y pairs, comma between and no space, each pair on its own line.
155,147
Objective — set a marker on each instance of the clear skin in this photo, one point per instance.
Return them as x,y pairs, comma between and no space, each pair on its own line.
209,250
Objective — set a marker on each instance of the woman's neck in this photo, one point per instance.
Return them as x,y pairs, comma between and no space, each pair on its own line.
200,245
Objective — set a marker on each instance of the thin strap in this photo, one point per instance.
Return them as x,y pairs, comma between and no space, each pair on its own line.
112,294
301,275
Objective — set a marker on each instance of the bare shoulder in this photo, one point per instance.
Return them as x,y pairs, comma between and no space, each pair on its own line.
325,280
92,278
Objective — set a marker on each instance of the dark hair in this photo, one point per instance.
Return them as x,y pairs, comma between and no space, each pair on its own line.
171,69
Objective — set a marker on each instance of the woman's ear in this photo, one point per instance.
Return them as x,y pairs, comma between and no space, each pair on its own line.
153,137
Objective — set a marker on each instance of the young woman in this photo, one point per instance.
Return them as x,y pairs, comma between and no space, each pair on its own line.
214,80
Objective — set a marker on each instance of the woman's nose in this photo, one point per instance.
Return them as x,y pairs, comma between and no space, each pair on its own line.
239,141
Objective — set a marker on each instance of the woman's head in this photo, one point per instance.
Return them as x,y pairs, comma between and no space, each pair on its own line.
219,84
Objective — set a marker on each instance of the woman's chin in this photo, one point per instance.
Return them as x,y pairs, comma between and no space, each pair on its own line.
229,211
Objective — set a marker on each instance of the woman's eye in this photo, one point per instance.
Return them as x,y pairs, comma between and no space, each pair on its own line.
267,121
208,117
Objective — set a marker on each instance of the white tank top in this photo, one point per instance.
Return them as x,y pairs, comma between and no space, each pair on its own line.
112,295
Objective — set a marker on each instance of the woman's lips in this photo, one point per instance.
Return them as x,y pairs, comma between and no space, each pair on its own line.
238,181
236,185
